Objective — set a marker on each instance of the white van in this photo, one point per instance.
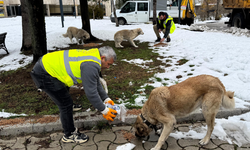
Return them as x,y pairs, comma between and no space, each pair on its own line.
142,11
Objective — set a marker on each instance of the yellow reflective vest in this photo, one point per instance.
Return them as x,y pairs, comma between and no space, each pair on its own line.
65,65
172,28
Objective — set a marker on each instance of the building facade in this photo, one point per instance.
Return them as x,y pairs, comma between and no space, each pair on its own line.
10,8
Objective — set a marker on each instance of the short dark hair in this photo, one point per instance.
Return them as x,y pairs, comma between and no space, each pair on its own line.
161,13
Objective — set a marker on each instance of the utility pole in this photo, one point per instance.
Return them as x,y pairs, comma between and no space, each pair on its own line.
75,8
179,19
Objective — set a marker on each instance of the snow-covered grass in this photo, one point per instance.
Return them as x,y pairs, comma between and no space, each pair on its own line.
222,54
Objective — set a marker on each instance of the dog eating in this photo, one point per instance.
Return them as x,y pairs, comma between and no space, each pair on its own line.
165,104
79,34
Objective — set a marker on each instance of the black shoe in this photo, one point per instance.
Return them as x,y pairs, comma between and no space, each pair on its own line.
76,107
168,39
158,40
76,137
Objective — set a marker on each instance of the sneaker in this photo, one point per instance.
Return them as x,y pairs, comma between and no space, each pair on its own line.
168,39
76,107
76,137
158,40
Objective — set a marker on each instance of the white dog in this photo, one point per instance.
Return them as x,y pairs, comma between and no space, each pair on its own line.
78,34
126,35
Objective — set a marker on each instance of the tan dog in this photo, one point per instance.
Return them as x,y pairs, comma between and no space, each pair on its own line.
78,34
167,103
126,35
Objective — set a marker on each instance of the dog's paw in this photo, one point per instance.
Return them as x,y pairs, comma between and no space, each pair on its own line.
158,132
204,141
135,46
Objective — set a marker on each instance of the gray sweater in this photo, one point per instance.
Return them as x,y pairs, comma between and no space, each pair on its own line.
92,86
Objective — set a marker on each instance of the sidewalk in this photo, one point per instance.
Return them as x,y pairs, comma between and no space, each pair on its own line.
47,136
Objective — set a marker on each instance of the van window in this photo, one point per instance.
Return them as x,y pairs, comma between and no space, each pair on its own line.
129,7
142,7
174,2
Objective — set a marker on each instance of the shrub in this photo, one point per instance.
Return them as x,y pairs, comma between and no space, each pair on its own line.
98,10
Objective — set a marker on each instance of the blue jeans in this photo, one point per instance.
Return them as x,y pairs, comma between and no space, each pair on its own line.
59,93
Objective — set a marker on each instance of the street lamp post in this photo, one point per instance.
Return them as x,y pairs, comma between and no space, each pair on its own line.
75,8
61,9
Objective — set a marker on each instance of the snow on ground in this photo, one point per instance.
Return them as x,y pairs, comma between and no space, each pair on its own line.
224,54
128,146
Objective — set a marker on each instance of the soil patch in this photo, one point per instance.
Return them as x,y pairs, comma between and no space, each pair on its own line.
161,45
128,135
24,120
92,45
133,112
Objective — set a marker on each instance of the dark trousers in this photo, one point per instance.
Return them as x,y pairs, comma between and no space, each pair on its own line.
59,93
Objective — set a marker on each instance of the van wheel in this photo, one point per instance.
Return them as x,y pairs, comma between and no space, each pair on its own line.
239,21
121,21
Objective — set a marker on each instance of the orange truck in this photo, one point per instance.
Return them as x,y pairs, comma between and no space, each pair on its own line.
240,15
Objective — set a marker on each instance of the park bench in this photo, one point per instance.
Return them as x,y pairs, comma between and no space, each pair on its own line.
2,42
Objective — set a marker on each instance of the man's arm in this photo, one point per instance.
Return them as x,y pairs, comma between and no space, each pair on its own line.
158,25
168,26
90,80
101,91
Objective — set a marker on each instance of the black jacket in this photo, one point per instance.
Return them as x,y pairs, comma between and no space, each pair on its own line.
168,26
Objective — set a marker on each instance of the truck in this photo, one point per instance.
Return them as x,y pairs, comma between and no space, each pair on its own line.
142,11
240,14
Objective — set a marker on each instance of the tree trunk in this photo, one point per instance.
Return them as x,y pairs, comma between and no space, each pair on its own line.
27,42
114,9
154,11
85,19
207,6
37,27
217,11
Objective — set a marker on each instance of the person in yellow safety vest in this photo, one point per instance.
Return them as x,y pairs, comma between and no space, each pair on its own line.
164,24
56,71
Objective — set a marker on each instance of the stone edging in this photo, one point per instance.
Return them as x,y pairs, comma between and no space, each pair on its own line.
91,120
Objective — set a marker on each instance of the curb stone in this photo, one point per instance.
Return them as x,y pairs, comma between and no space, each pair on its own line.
91,120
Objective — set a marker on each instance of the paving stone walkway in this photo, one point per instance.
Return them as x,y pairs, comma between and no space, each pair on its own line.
110,139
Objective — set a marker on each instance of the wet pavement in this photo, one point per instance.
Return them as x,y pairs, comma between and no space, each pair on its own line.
112,137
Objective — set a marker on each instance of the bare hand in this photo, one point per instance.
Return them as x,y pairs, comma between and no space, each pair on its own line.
162,39
159,30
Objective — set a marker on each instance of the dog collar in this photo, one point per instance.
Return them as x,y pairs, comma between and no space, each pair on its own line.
150,125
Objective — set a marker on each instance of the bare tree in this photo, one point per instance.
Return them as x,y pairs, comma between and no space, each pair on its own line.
114,9
37,28
207,6
93,6
27,42
154,11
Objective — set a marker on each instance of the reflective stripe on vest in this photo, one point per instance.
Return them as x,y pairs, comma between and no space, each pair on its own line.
68,59
65,65
172,28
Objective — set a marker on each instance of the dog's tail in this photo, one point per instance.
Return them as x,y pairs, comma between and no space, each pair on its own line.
228,100
65,35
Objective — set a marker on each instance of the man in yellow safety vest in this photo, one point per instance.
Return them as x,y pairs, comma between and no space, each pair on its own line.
164,24
56,71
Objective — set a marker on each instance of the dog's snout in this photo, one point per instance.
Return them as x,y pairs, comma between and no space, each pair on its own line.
139,136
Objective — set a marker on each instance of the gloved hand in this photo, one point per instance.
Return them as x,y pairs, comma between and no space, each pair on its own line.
109,114
108,100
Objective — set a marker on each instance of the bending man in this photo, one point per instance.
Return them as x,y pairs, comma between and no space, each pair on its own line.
164,24
56,71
